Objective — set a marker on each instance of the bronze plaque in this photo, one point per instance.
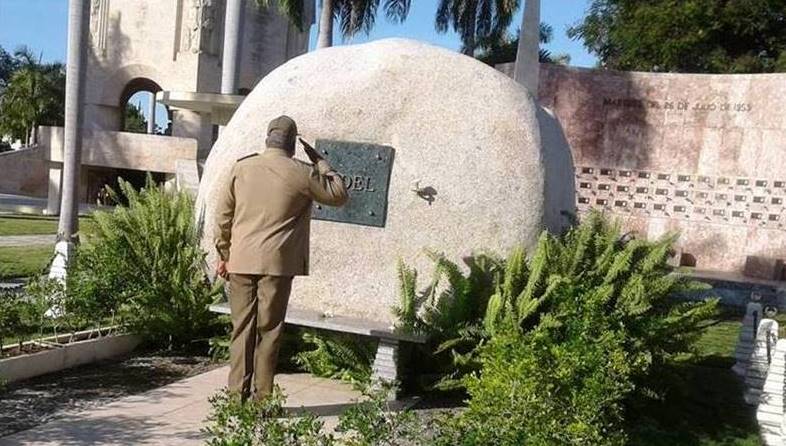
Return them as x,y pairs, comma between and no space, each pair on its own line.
365,169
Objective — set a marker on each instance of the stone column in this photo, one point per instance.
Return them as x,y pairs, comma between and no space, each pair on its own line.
78,21
753,315
54,190
151,114
527,68
233,38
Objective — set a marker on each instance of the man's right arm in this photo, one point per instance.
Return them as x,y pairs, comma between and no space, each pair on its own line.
225,214
326,185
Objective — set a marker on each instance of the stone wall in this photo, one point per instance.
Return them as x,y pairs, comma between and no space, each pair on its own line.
123,150
24,172
704,155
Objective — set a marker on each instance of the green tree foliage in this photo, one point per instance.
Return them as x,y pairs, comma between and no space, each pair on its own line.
134,120
504,49
360,16
703,36
354,16
8,65
477,22
144,262
293,9
34,94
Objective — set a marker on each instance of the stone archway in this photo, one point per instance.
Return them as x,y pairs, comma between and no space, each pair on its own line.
144,89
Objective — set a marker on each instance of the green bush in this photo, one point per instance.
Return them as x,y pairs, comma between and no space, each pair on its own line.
567,337
144,265
370,422
233,422
33,313
593,257
11,324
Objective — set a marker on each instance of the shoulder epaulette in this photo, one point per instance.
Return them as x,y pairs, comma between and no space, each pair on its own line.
247,156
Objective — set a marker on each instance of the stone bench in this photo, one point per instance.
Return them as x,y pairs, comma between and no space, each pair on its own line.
385,361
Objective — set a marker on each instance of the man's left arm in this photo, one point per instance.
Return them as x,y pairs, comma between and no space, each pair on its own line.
225,214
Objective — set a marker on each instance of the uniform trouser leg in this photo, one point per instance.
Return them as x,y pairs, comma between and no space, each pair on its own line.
273,294
258,305
243,306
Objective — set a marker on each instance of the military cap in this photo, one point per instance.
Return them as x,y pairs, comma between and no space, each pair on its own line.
281,133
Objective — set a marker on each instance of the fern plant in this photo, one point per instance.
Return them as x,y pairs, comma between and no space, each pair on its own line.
628,277
337,355
145,263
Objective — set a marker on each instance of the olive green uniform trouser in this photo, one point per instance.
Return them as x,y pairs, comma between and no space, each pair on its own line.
259,305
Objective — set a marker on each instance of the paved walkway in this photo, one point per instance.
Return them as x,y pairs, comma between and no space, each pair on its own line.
174,414
26,240
22,204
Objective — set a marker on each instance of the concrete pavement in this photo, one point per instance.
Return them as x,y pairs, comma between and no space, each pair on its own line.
174,414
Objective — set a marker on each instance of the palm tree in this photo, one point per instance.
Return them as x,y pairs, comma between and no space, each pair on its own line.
505,49
476,21
33,96
354,16
78,21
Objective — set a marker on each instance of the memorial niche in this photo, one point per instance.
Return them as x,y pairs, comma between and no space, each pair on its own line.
365,169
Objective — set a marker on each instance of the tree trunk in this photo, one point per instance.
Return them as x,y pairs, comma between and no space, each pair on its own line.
469,44
469,48
78,20
325,36
527,68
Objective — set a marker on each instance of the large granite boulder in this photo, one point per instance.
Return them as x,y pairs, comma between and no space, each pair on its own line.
462,130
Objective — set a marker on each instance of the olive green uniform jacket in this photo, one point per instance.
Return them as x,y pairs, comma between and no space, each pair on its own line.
264,212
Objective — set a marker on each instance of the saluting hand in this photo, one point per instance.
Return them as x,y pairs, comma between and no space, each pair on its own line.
310,151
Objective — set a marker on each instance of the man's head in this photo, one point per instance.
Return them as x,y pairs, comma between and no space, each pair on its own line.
281,134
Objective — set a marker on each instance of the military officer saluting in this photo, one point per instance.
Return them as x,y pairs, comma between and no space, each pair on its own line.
262,238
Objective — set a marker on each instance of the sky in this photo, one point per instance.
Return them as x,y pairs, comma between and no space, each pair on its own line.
42,26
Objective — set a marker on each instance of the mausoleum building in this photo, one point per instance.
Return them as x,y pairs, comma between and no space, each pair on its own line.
172,49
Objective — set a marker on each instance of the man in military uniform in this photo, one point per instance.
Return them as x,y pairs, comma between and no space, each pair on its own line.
262,237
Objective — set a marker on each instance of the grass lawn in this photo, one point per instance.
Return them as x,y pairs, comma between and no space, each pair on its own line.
33,224
24,261
703,404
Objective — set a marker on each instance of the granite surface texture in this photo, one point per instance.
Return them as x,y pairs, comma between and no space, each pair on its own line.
440,111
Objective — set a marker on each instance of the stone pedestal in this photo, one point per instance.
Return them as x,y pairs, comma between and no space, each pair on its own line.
753,314
763,350
384,370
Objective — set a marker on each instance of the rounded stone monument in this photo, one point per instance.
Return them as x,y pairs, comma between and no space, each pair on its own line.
467,169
